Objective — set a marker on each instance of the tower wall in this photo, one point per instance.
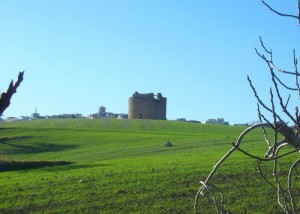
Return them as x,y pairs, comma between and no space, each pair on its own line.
101,111
146,106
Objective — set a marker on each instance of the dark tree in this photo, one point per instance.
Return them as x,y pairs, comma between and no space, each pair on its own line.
6,96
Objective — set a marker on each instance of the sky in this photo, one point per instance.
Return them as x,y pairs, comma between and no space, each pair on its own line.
79,55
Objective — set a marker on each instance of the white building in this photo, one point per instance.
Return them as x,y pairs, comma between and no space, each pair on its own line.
11,119
24,118
103,114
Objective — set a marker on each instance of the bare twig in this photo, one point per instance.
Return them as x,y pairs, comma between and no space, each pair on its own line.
259,100
296,71
219,206
283,14
280,189
283,106
284,85
293,168
266,159
263,176
260,116
297,119
264,47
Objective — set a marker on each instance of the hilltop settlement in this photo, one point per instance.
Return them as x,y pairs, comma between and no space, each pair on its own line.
140,106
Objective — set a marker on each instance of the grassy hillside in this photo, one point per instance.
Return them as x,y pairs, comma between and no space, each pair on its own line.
121,166
108,139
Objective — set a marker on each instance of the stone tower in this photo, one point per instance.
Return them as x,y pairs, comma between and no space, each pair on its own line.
147,106
101,111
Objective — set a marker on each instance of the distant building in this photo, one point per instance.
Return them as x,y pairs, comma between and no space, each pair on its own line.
111,115
35,116
93,116
241,124
194,121
103,114
219,121
147,106
102,111
65,116
122,116
11,119
24,118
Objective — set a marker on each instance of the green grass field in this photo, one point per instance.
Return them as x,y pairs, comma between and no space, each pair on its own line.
122,166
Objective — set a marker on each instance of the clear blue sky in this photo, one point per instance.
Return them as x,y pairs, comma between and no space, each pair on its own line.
81,54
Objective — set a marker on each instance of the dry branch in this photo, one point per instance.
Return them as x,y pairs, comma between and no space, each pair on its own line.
283,14
290,139
285,196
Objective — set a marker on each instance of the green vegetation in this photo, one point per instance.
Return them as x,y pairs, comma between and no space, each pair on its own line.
121,166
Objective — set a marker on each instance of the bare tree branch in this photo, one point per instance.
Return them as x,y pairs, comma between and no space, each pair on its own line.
264,47
293,168
263,176
284,85
282,14
259,100
260,116
270,61
291,135
283,106
296,71
264,159
280,190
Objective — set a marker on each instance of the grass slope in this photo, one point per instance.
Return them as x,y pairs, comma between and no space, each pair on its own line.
121,166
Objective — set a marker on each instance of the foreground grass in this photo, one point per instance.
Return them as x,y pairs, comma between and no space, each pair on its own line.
121,166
